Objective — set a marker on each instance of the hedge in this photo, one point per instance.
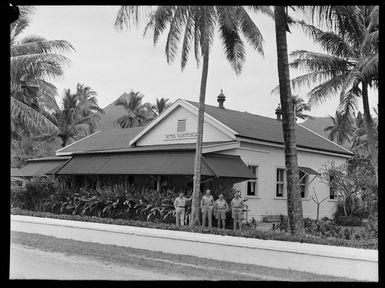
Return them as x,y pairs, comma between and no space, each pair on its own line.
265,235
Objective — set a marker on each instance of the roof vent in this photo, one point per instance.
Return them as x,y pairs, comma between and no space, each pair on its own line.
221,98
278,112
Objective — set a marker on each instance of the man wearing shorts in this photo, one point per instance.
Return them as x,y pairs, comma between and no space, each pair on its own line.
237,210
220,208
179,204
207,203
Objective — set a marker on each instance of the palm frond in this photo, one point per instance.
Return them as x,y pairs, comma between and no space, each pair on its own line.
262,9
348,101
249,29
38,66
30,117
324,91
329,41
18,26
131,15
233,44
173,38
187,40
314,61
158,21
38,45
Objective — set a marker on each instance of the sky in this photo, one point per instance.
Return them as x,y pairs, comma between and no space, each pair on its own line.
112,62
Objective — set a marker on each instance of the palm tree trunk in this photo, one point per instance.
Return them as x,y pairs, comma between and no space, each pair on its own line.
294,202
198,147
369,127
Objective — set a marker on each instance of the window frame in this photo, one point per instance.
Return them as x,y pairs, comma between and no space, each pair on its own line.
302,184
331,189
256,184
283,183
185,125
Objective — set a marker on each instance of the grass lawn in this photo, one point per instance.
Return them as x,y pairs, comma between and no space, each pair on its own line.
190,266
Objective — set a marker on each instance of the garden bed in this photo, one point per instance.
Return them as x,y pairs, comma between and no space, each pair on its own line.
249,233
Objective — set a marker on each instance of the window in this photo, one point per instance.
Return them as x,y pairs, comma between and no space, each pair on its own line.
181,126
280,182
252,185
303,183
332,192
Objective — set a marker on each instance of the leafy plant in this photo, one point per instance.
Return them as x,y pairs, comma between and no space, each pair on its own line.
361,242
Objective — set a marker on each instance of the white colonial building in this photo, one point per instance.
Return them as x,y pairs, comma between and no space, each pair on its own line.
240,149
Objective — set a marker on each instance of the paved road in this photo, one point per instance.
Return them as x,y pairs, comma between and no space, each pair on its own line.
35,256
27,263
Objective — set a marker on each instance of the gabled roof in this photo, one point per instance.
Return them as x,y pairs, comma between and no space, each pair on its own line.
102,140
240,124
269,129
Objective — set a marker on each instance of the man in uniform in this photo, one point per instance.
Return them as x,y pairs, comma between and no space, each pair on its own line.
179,204
207,203
220,208
237,210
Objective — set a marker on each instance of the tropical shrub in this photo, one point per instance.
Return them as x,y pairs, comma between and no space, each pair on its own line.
117,201
372,225
33,196
353,183
367,243
326,228
348,221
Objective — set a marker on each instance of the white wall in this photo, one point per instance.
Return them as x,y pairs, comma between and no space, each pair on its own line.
156,136
269,159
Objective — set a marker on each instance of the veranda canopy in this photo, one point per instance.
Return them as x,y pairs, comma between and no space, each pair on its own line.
155,163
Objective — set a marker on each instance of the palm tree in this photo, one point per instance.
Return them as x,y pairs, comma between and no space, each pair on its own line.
138,114
194,27
349,67
300,107
34,61
294,202
341,130
88,105
70,121
160,105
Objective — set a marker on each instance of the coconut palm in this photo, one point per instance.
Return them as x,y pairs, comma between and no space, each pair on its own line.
341,129
88,104
34,61
160,105
138,114
193,27
70,121
349,67
294,204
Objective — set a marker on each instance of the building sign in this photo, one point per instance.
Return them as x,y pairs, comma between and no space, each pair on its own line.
180,136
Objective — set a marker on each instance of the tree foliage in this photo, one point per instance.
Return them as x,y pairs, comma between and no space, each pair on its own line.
34,62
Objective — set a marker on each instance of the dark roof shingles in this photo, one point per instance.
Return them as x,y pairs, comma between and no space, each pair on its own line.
267,129
103,140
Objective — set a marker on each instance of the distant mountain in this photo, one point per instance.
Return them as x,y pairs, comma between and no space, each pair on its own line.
318,124
112,113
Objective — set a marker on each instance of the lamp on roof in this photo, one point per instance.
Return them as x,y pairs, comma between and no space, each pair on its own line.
221,99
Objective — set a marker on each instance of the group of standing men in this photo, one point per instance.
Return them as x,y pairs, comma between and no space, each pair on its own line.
208,206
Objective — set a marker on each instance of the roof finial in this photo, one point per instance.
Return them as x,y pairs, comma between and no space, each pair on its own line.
221,98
